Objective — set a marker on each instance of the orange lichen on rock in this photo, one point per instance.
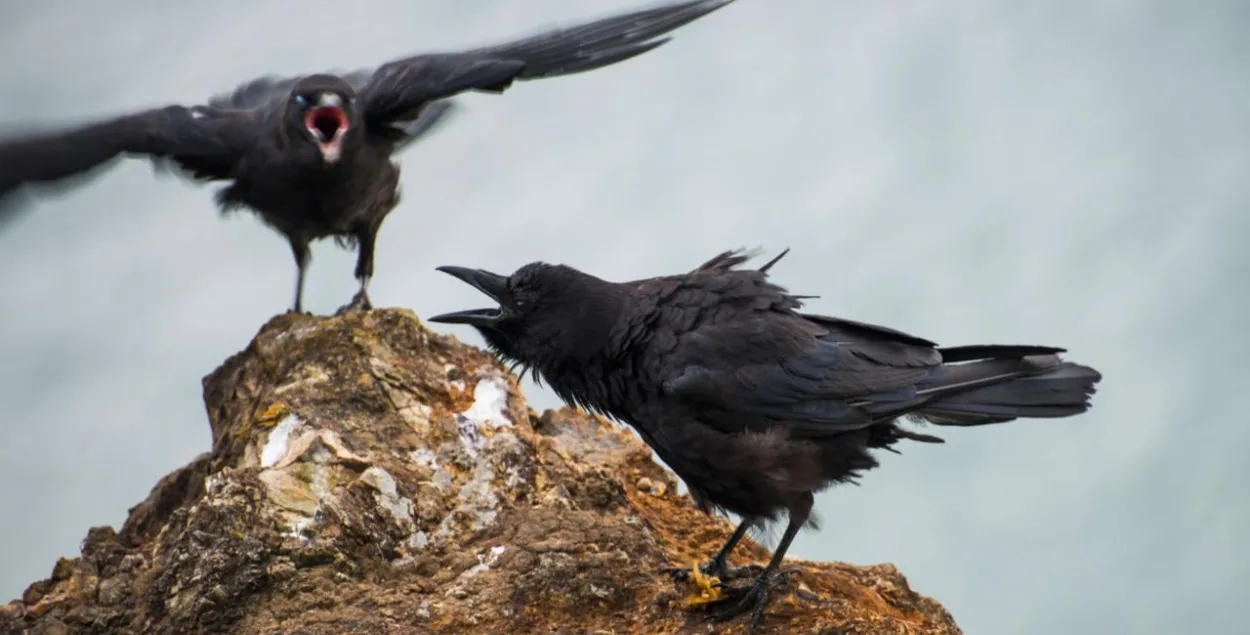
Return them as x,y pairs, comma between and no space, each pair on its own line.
370,476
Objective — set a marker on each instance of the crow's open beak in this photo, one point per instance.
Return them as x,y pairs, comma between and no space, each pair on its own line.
492,284
327,123
472,317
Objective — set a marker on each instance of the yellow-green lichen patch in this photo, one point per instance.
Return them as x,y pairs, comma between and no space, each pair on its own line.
270,416
707,588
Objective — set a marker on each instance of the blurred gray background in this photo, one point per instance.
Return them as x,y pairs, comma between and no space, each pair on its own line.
1068,172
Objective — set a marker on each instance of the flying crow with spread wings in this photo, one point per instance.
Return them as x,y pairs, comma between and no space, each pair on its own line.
754,404
311,155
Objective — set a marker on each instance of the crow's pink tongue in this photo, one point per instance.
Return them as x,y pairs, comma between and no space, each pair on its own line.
326,120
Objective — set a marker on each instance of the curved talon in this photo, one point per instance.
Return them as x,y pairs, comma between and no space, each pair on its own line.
679,574
754,598
712,569
686,574
784,574
360,302
753,570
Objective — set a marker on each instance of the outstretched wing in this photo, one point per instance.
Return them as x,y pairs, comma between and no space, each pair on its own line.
433,116
206,142
402,86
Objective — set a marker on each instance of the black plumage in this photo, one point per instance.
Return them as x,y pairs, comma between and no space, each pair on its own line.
311,155
753,403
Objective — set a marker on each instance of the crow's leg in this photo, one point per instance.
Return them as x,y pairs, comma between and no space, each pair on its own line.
718,566
755,598
365,241
299,247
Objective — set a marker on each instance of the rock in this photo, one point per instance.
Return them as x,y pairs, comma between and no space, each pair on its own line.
370,476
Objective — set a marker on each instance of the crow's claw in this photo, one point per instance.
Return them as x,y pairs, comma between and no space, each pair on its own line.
360,302
713,569
708,586
754,598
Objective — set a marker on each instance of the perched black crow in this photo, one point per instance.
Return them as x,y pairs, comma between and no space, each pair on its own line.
311,155
754,404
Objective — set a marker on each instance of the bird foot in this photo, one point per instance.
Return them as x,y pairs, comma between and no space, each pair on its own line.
708,585
360,302
712,569
754,598
710,580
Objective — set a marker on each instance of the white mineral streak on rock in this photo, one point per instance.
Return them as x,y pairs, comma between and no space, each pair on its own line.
486,436
424,457
388,497
278,441
485,561
490,403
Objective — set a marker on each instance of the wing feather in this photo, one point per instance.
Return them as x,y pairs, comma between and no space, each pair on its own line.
820,377
205,141
740,350
400,86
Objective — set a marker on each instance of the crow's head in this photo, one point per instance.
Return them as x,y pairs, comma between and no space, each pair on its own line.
323,108
546,315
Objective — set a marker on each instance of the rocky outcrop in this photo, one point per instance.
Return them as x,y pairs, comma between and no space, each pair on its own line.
369,476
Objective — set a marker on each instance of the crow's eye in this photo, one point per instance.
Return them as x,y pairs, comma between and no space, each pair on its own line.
301,100
520,297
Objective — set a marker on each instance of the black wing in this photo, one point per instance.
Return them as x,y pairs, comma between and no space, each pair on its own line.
399,87
205,142
820,375
433,116
752,359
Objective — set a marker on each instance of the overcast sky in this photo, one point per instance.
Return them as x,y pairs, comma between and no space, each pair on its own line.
1070,173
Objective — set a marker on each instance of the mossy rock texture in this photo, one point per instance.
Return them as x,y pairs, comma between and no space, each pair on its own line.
369,476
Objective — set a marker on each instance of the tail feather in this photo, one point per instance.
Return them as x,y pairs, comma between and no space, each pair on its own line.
952,354
999,389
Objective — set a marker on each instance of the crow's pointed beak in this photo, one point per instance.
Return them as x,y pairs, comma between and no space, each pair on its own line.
492,284
472,317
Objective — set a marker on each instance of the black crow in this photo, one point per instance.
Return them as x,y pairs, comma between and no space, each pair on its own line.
754,404
311,155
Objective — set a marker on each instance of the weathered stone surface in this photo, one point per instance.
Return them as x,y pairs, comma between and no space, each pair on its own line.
369,476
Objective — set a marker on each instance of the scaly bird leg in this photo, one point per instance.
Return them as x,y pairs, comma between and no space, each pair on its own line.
360,301
756,597
299,248
718,566
364,272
